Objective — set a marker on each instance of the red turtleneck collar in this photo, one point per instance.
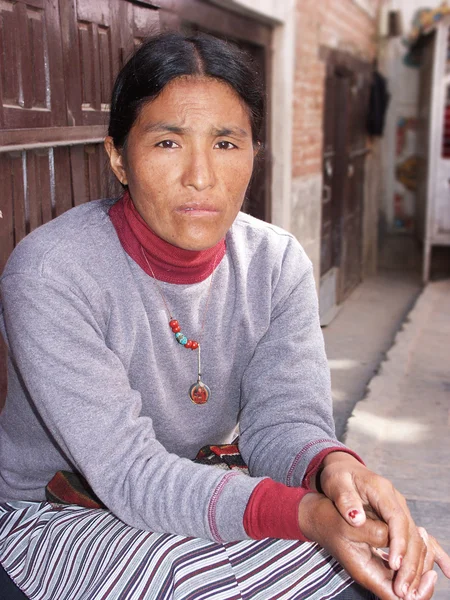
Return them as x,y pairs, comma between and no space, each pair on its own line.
169,263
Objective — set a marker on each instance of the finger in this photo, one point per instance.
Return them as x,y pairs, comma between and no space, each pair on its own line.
429,558
409,575
369,570
350,505
441,558
378,579
391,507
395,513
373,533
427,584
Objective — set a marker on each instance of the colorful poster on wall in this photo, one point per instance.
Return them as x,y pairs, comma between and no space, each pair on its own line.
406,174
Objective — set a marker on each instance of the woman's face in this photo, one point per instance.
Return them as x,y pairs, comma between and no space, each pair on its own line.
188,161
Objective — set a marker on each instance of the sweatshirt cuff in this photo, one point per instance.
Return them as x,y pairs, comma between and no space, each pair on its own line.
272,512
316,463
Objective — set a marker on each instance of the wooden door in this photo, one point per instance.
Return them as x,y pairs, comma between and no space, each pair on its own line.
332,169
353,167
344,151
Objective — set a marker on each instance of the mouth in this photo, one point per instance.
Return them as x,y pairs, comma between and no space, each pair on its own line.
197,209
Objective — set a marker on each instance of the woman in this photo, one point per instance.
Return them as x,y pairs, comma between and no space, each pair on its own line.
104,312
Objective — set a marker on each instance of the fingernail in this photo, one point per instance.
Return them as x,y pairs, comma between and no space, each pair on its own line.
355,516
398,564
405,589
414,594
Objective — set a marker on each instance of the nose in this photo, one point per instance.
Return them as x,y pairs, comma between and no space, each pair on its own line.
199,170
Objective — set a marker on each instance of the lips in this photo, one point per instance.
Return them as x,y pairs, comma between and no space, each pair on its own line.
197,208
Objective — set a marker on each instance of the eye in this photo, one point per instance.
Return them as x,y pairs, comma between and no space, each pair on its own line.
167,144
225,146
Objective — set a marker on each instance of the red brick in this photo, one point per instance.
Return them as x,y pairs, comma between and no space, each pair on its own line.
322,22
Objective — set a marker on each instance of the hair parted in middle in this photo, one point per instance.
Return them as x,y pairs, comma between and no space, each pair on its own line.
166,56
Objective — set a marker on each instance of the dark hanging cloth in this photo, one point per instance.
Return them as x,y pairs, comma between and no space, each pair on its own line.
378,103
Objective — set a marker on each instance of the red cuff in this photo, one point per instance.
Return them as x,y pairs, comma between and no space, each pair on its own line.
272,512
316,462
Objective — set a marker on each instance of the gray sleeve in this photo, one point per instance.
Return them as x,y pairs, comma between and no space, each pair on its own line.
286,417
82,392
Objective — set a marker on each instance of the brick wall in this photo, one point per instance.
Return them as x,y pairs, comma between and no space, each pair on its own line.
339,24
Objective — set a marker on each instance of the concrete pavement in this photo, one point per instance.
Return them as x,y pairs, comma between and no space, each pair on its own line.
402,426
363,331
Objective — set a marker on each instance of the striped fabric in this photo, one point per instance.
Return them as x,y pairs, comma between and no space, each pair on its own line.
75,553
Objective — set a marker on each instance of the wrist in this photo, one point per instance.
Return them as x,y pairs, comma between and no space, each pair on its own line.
340,457
308,513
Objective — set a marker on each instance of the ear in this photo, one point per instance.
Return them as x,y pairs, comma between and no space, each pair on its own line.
116,161
256,149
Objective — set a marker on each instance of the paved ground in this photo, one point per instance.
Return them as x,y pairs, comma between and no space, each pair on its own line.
361,334
402,426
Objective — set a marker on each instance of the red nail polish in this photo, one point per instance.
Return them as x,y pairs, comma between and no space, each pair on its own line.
352,514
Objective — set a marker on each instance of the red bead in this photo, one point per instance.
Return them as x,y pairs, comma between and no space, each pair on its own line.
194,345
173,323
188,344
176,329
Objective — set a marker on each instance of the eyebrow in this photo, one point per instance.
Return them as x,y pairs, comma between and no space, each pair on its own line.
160,126
226,131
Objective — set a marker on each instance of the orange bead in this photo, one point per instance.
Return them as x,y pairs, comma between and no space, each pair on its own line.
194,345
173,323
188,344
176,328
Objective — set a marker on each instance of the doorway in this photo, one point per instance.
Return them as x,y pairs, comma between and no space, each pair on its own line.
344,151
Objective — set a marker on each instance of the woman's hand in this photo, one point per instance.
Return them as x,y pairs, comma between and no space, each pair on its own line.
355,548
353,488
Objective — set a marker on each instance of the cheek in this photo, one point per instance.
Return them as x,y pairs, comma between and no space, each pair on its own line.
238,177
150,169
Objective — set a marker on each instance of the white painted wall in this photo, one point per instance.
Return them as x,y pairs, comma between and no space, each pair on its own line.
403,86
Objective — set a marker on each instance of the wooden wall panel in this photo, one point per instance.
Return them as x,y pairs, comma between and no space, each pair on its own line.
20,210
106,65
62,180
77,170
39,190
7,212
92,171
9,52
44,169
40,82
33,194
30,49
86,65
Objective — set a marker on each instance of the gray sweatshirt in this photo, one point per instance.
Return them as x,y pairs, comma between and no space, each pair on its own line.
97,383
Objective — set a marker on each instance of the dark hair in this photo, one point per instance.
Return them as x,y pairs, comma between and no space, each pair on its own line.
166,56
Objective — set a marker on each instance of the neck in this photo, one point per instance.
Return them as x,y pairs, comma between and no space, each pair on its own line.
157,257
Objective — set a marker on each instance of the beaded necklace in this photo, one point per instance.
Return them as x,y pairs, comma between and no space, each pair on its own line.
199,392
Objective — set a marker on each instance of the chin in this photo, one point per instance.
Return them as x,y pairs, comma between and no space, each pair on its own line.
198,241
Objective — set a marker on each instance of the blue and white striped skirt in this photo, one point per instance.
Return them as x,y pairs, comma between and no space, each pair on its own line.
56,552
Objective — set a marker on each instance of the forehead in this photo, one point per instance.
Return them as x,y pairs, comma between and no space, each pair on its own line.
188,100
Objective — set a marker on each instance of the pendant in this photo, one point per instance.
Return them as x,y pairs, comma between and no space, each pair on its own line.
199,392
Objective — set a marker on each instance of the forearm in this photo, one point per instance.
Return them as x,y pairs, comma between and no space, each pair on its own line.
82,393
286,419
